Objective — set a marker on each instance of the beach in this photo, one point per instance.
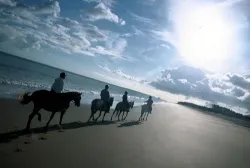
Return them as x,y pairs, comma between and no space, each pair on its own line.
173,136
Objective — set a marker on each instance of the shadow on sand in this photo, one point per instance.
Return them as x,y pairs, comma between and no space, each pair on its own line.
9,136
130,123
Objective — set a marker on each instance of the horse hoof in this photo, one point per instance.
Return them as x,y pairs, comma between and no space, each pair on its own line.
27,130
45,130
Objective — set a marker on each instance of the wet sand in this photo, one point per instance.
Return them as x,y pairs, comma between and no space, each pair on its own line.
173,136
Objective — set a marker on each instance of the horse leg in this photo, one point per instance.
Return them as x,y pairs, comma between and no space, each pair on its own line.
126,115
119,115
39,117
91,116
61,117
103,116
98,116
147,117
51,117
141,116
112,115
122,115
31,116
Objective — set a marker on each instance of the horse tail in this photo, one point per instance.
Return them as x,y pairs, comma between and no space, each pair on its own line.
142,109
26,98
93,105
118,108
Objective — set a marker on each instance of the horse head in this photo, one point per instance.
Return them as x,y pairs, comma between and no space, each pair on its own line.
111,100
77,98
131,104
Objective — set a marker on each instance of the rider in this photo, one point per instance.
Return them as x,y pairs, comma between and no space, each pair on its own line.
105,96
57,86
125,100
149,103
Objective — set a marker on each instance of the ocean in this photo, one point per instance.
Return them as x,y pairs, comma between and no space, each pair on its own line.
19,75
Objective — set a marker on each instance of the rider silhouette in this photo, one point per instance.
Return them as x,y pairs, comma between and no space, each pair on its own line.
149,103
105,96
125,100
58,84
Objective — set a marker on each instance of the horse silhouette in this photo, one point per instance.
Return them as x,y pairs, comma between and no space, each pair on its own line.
98,105
121,108
52,102
145,110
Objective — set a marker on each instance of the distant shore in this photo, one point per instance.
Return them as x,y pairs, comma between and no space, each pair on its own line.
223,112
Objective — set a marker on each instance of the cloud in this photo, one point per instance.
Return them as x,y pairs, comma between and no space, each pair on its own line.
239,80
120,73
164,35
148,2
141,18
134,32
8,2
231,90
108,3
102,12
41,27
137,31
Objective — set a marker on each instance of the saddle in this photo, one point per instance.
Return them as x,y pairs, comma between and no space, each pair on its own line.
101,104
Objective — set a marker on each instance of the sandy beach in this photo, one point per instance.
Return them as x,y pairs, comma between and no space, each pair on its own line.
173,136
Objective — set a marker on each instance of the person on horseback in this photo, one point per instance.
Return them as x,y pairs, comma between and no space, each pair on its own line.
58,84
105,96
149,103
125,100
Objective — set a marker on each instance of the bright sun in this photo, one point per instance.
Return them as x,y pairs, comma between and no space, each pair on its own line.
204,38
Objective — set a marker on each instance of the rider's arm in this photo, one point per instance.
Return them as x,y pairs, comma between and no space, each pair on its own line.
108,95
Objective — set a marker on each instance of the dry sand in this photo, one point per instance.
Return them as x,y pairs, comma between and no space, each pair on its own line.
173,136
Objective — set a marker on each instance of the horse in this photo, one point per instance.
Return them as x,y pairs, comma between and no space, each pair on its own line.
52,102
145,110
120,107
98,105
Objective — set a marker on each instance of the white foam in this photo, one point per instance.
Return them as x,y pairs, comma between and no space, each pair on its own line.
87,97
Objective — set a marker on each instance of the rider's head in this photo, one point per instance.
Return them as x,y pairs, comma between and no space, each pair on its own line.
106,86
125,92
62,75
150,97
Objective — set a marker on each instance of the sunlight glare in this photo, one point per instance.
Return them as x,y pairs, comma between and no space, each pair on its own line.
204,37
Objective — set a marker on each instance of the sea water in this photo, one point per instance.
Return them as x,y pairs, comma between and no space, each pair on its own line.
19,75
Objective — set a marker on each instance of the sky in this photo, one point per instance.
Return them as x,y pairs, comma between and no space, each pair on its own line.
174,49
